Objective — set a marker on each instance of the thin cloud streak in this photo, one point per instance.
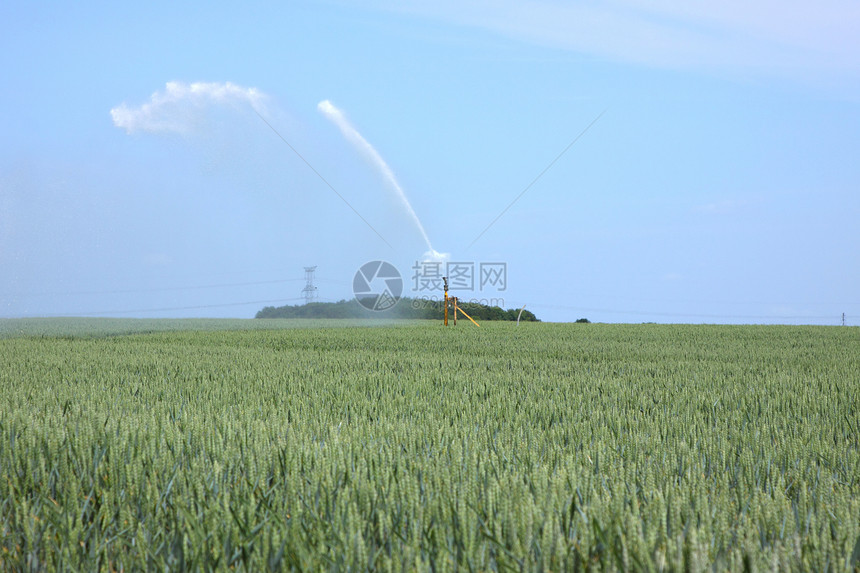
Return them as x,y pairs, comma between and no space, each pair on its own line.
790,39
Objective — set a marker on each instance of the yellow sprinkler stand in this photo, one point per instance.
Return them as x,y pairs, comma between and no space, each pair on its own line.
453,300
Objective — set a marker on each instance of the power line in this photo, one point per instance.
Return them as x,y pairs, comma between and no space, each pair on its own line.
635,299
168,309
684,315
154,289
535,180
323,179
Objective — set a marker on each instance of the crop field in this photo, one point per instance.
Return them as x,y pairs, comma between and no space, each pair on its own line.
331,446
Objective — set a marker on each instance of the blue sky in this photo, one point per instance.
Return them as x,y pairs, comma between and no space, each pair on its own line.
719,185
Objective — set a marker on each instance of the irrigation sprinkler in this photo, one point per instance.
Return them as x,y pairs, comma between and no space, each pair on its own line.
445,281
452,302
520,314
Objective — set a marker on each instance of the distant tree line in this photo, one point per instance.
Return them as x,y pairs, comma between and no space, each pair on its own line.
411,308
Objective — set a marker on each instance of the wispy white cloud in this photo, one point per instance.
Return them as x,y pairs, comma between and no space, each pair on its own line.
157,259
725,206
179,107
731,206
781,37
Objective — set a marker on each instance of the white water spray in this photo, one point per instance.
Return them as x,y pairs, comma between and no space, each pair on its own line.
179,107
353,136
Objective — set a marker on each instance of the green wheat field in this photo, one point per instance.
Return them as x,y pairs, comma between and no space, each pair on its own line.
346,445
